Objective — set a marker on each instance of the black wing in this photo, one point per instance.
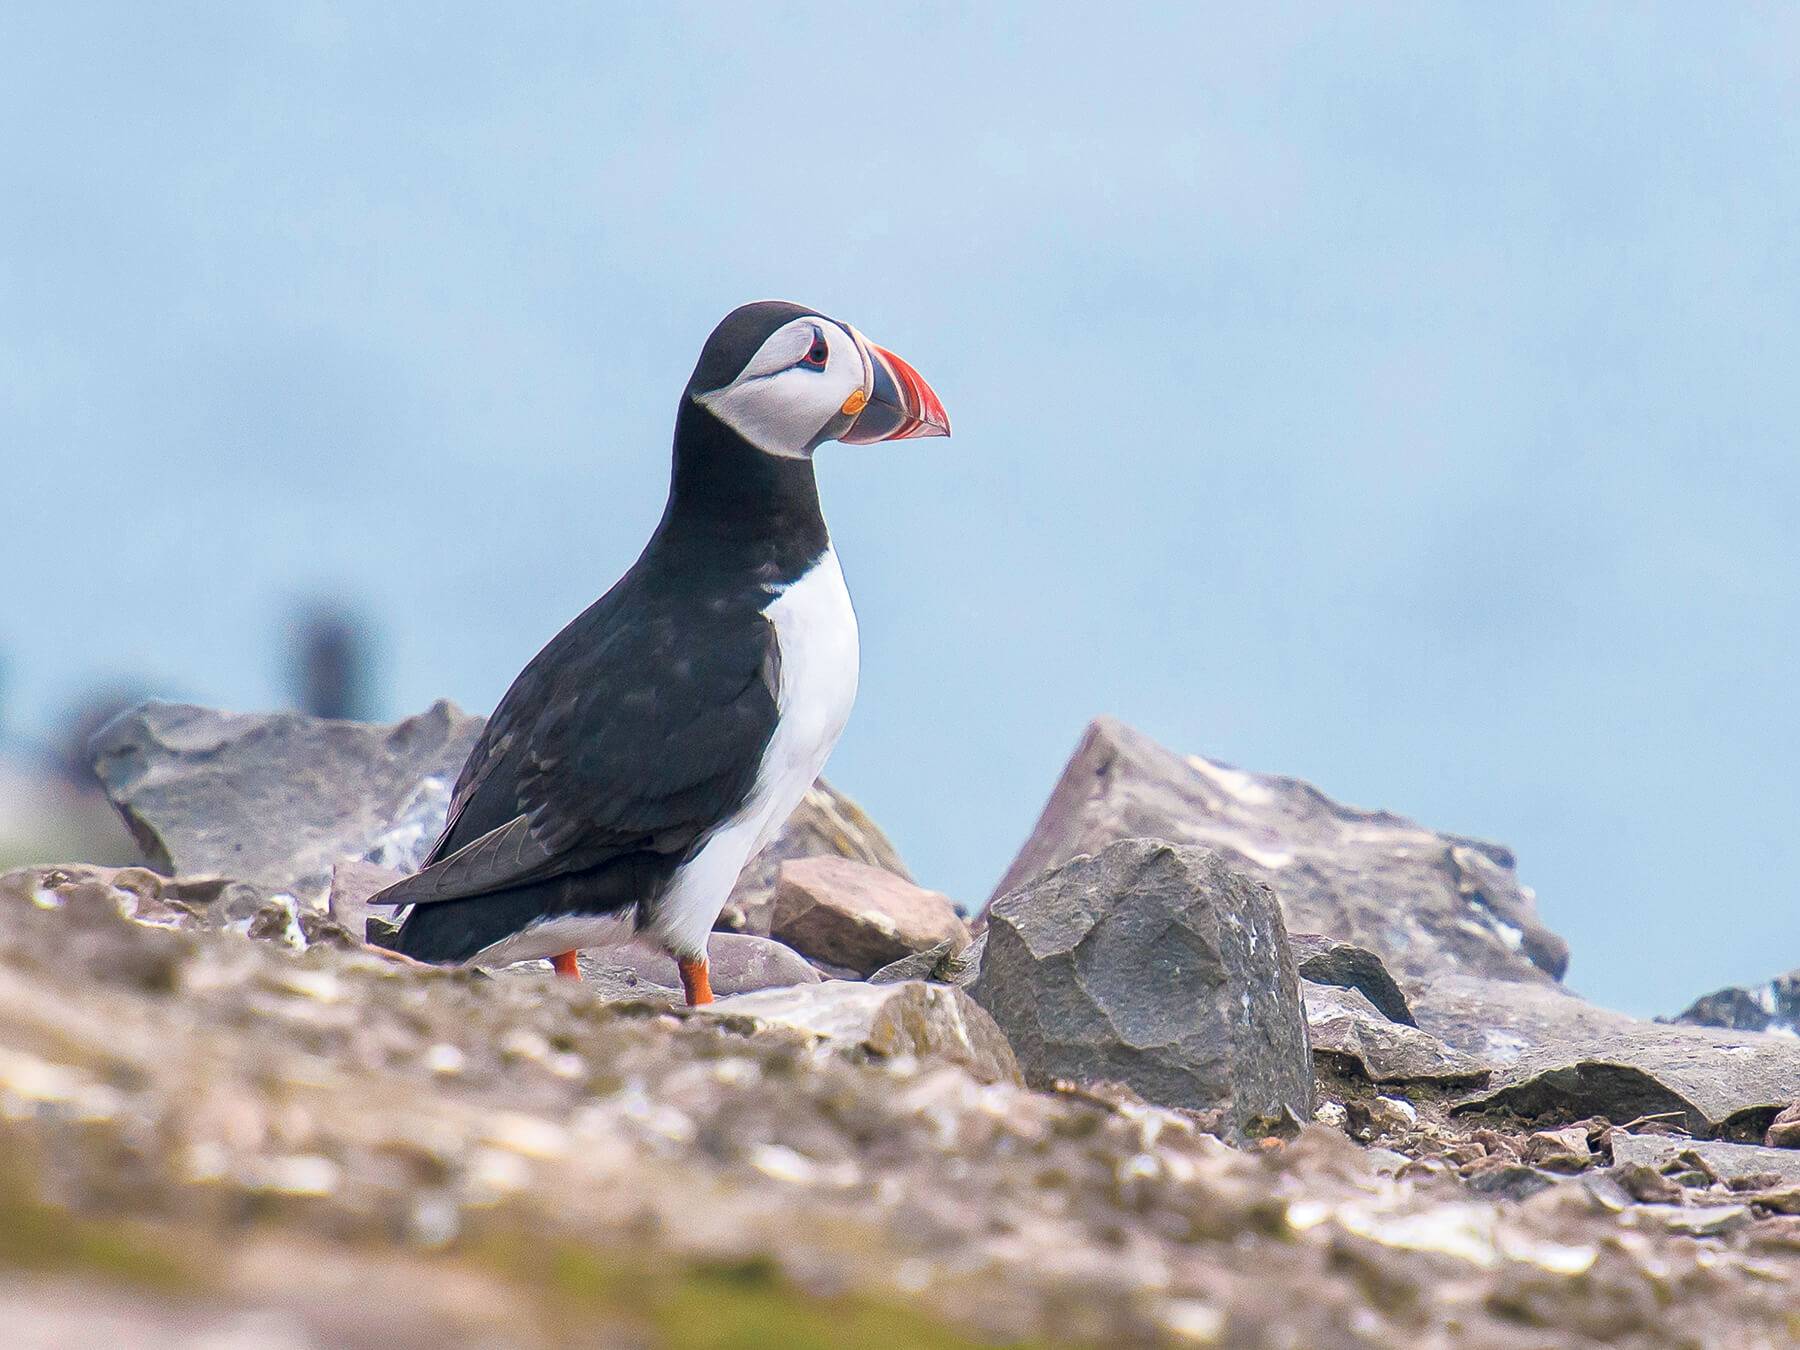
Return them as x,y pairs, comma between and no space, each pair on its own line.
638,729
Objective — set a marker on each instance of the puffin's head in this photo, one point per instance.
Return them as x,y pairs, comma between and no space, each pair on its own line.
786,379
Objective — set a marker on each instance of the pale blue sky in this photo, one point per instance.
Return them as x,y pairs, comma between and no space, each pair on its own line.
1403,398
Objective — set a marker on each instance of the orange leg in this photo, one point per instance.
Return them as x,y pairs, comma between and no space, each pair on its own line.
694,981
566,967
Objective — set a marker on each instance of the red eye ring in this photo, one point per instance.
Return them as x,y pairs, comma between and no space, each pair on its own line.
817,354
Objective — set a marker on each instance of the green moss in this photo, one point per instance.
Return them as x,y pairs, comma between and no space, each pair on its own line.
41,1237
740,1306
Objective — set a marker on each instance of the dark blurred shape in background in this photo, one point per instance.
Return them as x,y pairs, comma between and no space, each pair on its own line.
330,653
52,808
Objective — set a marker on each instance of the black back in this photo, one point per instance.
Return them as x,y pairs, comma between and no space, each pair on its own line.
640,727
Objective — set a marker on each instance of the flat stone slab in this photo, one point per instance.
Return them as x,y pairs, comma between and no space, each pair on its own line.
1497,1021
1730,1161
926,1021
950,962
1349,1032
737,963
1721,1082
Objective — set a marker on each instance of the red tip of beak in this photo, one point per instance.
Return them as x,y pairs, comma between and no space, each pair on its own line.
922,402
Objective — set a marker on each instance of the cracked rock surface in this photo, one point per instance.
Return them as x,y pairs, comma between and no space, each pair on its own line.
1156,966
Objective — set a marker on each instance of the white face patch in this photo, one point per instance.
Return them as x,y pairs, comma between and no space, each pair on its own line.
784,398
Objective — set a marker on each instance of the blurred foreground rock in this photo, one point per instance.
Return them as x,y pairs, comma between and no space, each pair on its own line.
205,1138
1155,966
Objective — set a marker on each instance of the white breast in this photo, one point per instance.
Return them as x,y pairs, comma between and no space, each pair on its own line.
815,628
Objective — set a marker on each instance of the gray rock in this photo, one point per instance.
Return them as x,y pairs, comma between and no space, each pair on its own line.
1427,903
1729,1083
1349,1035
737,963
856,917
826,824
1774,1006
1497,1021
946,963
1732,1162
925,1021
1157,966
1325,960
274,799
1514,1181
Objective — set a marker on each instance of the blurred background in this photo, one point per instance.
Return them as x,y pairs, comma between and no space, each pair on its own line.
1402,398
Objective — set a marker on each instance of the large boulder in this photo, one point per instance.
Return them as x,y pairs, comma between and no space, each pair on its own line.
1156,966
857,917
275,799
1427,903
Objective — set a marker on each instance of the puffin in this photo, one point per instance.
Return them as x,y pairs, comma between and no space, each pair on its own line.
666,734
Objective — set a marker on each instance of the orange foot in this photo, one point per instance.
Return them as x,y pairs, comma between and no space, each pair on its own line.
566,967
694,981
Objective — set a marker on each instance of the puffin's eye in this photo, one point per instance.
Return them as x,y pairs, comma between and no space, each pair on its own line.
816,354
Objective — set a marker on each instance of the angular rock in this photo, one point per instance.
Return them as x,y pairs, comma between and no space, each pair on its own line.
947,963
925,1021
826,824
1325,960
1348,1034
737,963
1427,903
1784,1130
857,917
1731,1162
276,799
1157,966
1774,1006
1719,1082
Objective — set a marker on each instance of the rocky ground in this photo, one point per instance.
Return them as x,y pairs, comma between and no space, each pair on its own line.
228,1121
